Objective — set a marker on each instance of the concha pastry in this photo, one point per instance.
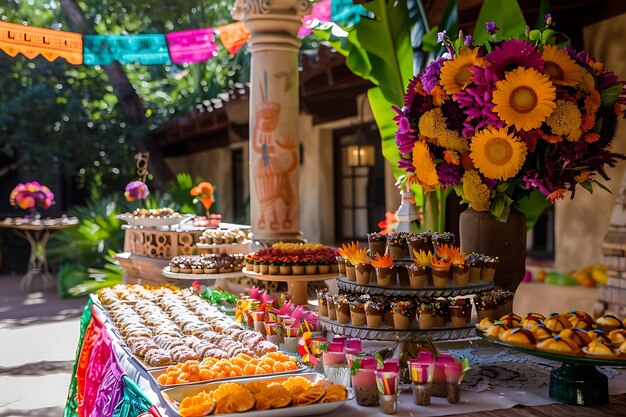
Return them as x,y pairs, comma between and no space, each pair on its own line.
608,322
485,324
617,337
541,332
511,320
519,337
557,322
532,319
559,346
582,322
599,349
495,331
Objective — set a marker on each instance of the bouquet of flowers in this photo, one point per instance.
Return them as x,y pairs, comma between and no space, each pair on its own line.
136,190
508,118
32,196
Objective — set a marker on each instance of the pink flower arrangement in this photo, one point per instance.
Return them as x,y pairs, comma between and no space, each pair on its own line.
136,190
32,196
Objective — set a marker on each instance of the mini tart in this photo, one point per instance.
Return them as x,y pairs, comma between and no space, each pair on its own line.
581,334
618,337
601,350
598,334
577,313
582,322
485,324
559,346
608,322
574,337
495,331
511,320
532,319
541,332
557,322
519,337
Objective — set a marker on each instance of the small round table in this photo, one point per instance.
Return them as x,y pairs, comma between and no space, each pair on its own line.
37,232
296,284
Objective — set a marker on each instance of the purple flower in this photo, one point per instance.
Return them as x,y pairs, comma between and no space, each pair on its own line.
449,174
404,141
136,190
430,75
548,18
440,36
491,183
468,40
491,27
581,57
475,100
406,164
514,53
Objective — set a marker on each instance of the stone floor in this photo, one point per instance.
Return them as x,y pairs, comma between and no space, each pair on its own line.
38,336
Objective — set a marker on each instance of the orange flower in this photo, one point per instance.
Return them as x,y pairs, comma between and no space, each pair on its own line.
203,193
451,157
592,102
385,261
447,252
588,121
353,253
551,138
591,137
582,176
466,162
556,195
438,262
438,96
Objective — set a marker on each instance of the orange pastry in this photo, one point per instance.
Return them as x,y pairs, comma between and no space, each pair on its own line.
532,319
262,402
335,392
278,395
575,336
541,332
582,322
559,345
519,337
577,313
556,322
599,349
622,349
297,381
599,334
198,405
608,322
495,331
484,324
311,395
617,337
511,320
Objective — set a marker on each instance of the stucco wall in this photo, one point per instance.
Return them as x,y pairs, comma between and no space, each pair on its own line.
582,223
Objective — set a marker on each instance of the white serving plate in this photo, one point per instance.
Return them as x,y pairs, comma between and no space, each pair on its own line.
174,396
150,221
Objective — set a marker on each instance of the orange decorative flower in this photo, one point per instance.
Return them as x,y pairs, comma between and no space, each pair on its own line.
447,252
384,261
451,157
556,195
203,193
438,262
591,137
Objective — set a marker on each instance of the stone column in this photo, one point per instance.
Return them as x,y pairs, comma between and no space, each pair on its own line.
274,112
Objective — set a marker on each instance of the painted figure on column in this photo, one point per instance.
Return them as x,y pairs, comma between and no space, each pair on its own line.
272,179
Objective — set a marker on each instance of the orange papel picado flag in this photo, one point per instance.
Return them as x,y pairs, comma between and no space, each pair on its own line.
233,36
32,41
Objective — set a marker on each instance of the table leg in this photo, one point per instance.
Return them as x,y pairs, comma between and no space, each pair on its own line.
297,290
37,262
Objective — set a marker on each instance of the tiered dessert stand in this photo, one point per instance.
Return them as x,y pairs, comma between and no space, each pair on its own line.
296,284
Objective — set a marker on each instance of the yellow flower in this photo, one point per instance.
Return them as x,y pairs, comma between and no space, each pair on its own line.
424,166
561,69
565,120
524,98
475,191
496,154
587,82
422,258
456,73
432,124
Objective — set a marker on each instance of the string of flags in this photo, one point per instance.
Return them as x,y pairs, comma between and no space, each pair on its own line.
189,46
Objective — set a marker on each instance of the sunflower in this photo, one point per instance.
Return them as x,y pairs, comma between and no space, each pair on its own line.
524,98
496,154
561,69
456,73
424,166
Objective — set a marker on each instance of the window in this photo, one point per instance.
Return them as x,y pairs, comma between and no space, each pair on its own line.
359,182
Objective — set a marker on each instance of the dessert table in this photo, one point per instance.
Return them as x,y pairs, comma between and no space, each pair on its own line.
36,232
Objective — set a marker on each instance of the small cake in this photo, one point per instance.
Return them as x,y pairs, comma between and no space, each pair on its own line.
577,313
511,320
556,322
495,331
599,334
617,337
582,335
582,322
608,322
357,313
519,337
532,319
541,332
599,349
374,311
559,345
573,337
485,324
